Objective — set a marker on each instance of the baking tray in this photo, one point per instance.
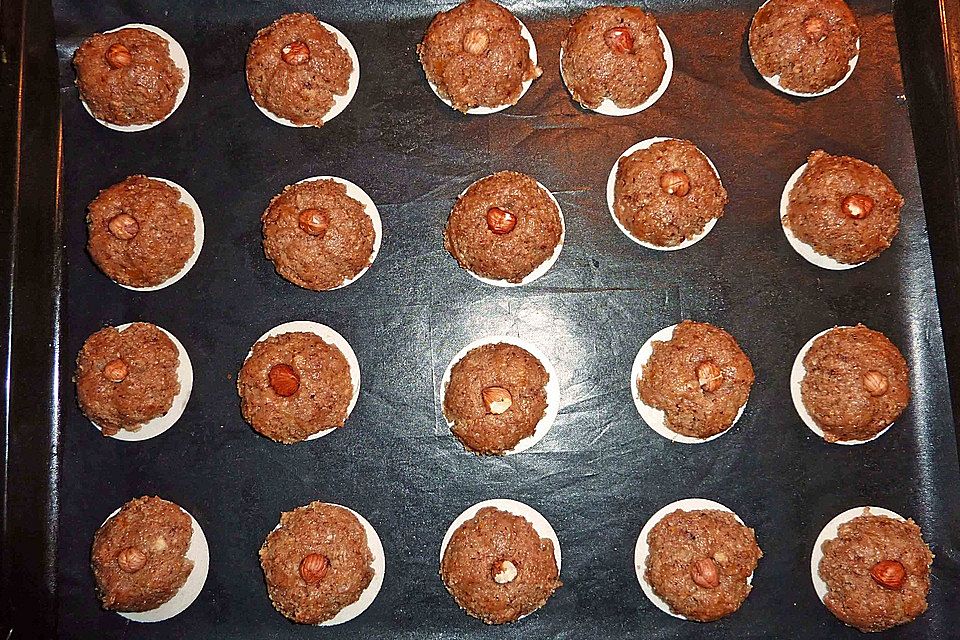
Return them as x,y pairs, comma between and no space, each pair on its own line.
600,473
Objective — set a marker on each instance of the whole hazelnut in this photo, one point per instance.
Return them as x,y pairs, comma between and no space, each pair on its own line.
314,567
124,226
706,573
314,222
131,559
475,41
709,376
857,206
816,28
889,574
295,53
116,370
284,380
875,383
675,183
496,399
118,56
619,39
503,571
500,221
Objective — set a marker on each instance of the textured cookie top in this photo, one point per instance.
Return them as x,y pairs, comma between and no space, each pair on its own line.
127,77
699,378
476,57
295,385
316,235
667,193
700,561
127,378
503,227
495,398
615,53
844,208
139,555
295,68
856,383
877,572
808,43
139,232
316,562
498,568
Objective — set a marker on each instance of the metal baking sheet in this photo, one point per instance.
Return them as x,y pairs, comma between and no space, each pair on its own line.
600,472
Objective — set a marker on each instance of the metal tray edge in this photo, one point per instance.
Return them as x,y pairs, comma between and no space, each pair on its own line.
32,271
930,59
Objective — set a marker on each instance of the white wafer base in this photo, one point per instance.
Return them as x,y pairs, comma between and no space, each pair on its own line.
199,552
553,387
332,337
642,549
609,108
340,103
611,197
531,515
179,57
155,427
482,111
370,208
797,374
655,418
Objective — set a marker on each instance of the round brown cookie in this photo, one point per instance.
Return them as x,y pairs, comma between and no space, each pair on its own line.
498,568
877,572
316,562
139,555
316,235
700,563
127,77
139,232
295,67
667,193
476,57
504,227
615,53
496,397
844,208
294,385
856,383
127,378
807,43
700,379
